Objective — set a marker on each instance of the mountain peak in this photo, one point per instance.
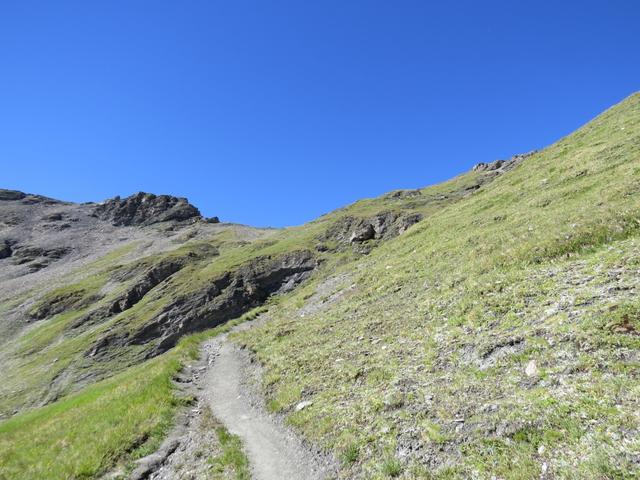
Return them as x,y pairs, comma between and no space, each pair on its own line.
145,209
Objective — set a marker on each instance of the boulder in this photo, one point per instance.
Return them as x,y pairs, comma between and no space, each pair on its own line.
5,249
362,233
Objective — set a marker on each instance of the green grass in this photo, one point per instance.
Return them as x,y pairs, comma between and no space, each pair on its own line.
116,420
539,265
232,462
44,362
85,433
350,454
391,468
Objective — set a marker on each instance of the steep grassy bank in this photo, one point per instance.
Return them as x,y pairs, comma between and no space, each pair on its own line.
117,420
90,425
499,337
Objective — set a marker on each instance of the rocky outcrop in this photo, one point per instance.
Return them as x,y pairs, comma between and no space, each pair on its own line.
152,277
400,194
145,209
227,297
26,198
501,166
35,257
11,195
382,226
65,301
5,249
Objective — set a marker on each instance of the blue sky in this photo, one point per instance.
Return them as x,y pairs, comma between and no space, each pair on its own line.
274,112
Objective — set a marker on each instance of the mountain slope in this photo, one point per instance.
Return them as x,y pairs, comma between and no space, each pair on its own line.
97,312
499,337
483,327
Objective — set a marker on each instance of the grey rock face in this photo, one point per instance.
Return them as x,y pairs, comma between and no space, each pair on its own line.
150,278
501,166
404,194
11,195
145,209
5,249
362,233
382,226
229,296
37,258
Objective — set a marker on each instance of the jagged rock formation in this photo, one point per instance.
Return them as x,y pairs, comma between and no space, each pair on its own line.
11,194
26,198
146,209
384,225
37,258
226,297
5,249
501,166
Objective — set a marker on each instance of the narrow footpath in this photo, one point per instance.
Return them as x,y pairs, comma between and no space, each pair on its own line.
227,382
274,452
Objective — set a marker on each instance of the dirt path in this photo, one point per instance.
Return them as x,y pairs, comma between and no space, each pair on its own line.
273,451
226,382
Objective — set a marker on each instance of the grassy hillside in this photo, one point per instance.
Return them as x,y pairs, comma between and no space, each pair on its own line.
50,364
499,336
114,421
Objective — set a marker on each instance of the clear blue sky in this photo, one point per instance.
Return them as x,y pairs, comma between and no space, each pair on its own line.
274,112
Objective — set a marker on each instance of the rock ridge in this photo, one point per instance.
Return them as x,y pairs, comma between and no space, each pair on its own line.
142,209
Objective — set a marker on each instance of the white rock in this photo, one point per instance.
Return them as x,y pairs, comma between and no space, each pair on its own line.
303,405
532,369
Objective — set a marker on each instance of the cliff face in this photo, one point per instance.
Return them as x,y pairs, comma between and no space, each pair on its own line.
146,209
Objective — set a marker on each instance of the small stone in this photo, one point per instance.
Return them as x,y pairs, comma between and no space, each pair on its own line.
532,369
303,405
393,400
541,449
